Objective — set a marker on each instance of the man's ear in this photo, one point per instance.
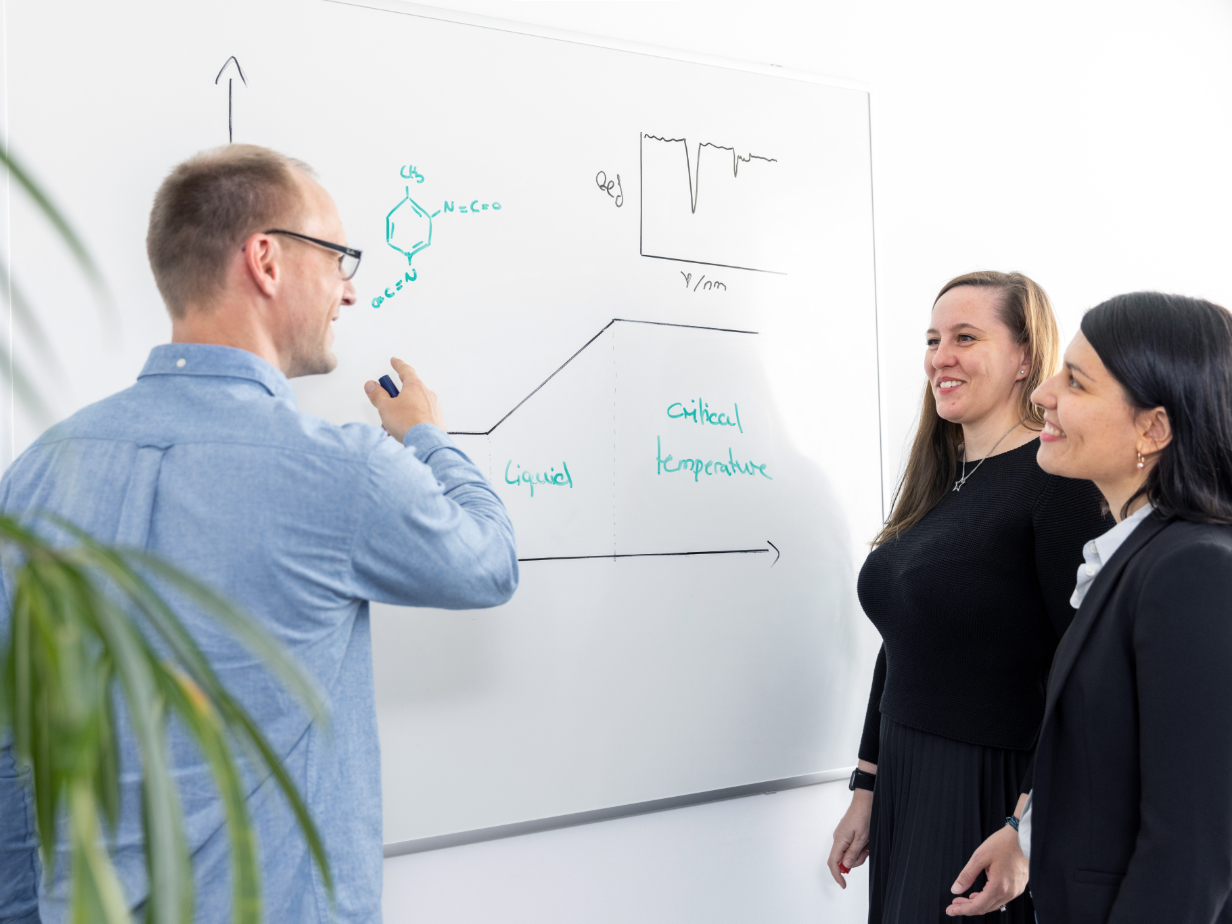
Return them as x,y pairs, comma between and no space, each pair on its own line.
1156,430
262,257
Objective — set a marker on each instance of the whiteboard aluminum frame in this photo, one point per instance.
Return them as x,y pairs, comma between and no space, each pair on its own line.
597,41
539,825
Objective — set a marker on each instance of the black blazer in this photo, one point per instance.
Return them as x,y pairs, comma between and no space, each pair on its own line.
1132,811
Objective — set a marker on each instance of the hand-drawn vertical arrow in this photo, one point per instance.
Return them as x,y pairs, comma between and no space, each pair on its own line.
240,70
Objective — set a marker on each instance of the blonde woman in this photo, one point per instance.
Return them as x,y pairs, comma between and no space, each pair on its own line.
969,584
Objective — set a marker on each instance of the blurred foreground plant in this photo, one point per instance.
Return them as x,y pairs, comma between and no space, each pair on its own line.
88,628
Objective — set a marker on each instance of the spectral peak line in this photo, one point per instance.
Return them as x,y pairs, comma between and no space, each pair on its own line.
694,164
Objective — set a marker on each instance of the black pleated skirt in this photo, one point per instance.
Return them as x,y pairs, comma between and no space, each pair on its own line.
936,801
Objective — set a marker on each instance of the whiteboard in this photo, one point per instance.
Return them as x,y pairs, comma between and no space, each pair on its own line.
643,288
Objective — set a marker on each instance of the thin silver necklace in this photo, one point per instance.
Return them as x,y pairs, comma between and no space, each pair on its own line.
963,480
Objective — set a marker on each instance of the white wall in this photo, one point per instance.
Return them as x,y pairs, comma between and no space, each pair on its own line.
1086,144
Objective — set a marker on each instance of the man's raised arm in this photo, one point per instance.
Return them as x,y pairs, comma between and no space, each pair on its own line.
433,531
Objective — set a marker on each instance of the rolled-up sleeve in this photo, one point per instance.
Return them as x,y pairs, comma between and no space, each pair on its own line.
431,530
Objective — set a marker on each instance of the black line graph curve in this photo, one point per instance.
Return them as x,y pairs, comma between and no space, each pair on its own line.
694,165
726,233
606,327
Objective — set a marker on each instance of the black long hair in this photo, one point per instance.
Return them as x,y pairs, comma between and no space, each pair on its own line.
1175,352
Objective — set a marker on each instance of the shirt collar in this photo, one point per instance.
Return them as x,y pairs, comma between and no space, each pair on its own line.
1107,544
1100,550
214,361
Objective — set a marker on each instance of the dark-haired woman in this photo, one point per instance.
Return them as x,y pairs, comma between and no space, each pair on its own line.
969,585
1132,808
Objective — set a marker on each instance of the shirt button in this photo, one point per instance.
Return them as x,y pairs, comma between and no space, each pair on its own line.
181,363
1090,570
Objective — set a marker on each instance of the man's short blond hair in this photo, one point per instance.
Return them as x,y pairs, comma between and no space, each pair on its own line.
204,211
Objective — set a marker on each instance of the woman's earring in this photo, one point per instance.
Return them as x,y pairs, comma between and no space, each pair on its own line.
1141,461
1022,371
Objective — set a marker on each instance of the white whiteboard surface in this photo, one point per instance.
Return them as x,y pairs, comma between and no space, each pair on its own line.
560,330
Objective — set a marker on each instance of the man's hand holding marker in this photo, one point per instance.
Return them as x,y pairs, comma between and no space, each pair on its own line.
400,412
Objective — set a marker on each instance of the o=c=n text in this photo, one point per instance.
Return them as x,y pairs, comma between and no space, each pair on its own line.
476,206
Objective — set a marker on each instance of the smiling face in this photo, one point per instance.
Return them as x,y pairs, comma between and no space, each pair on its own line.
1091,430
973,361
315,290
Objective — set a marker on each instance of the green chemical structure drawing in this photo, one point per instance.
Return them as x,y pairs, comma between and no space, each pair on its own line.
408,230
412,222
408,233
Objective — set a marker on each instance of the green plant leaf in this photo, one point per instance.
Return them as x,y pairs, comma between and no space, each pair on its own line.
25,317
97,897
195,710
63,228
284,668
170,875
107,747
114,563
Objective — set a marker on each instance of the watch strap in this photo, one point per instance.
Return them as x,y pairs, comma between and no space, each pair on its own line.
861,780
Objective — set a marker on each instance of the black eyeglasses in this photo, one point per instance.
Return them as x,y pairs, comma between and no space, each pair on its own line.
349,257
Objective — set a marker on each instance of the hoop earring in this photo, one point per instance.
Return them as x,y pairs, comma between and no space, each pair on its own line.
1141,461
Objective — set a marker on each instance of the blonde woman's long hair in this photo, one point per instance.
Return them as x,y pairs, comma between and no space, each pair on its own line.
1027,312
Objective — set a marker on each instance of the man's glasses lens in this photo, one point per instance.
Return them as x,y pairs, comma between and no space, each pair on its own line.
349,265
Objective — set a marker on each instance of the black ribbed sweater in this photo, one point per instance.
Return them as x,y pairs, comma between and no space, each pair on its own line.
972,600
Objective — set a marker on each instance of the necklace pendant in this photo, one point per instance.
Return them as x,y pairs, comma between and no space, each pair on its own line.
958,484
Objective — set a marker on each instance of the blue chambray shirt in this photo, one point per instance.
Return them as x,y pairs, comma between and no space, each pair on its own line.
206,462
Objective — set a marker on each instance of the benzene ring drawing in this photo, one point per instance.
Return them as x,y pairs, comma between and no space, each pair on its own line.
407,234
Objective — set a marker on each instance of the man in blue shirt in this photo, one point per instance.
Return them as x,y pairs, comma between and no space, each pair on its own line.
206,462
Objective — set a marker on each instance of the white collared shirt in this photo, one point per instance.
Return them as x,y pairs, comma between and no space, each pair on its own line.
1097,553
1100,550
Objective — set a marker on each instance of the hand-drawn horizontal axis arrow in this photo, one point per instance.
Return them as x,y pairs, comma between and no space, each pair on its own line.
616,555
